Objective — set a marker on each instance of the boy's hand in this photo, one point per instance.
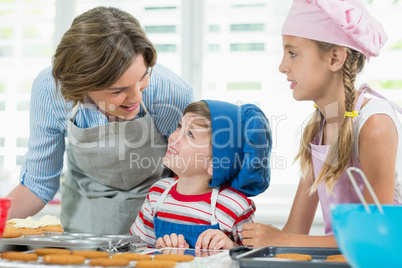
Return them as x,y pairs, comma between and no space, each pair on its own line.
214,239
172,241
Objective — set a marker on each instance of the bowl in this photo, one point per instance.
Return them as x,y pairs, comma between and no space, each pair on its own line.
4,207
368,239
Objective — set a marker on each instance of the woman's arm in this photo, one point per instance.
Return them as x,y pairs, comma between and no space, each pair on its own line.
23,202
378,144
43,162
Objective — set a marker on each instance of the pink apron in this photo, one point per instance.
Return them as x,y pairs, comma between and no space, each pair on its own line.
343,189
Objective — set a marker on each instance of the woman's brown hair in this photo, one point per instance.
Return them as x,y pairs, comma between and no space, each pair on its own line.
99,47
341,150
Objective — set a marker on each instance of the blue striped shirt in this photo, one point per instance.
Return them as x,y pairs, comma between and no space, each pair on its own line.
165,98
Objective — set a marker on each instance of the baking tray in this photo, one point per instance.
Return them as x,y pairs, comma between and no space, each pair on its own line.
77,241
263,257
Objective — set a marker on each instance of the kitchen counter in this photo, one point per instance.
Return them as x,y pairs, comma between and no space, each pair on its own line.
219,259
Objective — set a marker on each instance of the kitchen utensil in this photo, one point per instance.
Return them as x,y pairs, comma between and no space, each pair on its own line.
368,235
264,257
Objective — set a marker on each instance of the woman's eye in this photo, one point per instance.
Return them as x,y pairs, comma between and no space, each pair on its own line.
117,92
145,75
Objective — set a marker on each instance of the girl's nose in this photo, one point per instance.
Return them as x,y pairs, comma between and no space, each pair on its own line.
282,67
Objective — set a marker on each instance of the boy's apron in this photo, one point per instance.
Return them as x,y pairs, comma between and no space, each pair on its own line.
343,189
191,232
110,170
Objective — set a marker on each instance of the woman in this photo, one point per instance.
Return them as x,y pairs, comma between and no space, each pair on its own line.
100,94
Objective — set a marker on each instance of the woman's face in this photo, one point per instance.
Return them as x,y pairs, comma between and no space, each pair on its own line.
123,98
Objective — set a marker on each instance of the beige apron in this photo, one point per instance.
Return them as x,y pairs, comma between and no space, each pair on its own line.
110,170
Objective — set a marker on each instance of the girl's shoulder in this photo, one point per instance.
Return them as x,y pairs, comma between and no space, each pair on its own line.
374,107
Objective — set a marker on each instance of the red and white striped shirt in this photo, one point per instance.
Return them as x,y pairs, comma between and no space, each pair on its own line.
233,209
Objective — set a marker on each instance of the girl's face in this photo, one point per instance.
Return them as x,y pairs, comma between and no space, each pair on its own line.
189,149
306,67
123,98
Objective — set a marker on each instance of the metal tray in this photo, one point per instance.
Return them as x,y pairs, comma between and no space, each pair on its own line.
262,257
78,241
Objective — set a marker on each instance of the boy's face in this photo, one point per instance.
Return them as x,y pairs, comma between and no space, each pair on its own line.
189,149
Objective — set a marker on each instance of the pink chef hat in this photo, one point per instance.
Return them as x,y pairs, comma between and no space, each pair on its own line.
341,22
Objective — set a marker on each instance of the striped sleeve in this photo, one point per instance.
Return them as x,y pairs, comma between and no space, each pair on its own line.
233,210
43,162
166,97
143,225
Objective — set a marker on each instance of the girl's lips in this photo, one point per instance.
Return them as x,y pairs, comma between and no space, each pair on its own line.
292,84
129,108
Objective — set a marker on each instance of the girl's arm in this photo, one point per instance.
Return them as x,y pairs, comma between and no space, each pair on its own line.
303,209
378,143
295,232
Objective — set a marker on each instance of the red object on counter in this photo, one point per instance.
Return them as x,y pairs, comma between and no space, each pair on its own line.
4,207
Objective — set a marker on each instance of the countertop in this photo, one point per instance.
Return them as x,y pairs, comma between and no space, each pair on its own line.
203,259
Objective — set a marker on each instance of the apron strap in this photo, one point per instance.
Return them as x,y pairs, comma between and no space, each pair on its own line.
163,196
143,107
75,111
366,87
214,198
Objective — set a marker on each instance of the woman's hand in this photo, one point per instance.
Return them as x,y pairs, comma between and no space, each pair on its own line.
171,241
263,235
214,239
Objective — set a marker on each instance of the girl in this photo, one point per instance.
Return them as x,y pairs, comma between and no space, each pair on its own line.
325,46
220,153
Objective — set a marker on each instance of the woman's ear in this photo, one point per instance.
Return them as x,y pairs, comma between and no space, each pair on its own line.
338,57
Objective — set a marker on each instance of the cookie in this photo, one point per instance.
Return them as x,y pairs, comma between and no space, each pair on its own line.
10,231
132,256
91,254
52,251
109,262
294,256
52,229
336,258
174,257
155,264
19,256
64,259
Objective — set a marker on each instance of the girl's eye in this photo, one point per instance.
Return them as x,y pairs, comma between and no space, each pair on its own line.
190,134
179,126
292,54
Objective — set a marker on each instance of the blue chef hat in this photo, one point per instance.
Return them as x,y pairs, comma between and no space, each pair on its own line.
241,147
